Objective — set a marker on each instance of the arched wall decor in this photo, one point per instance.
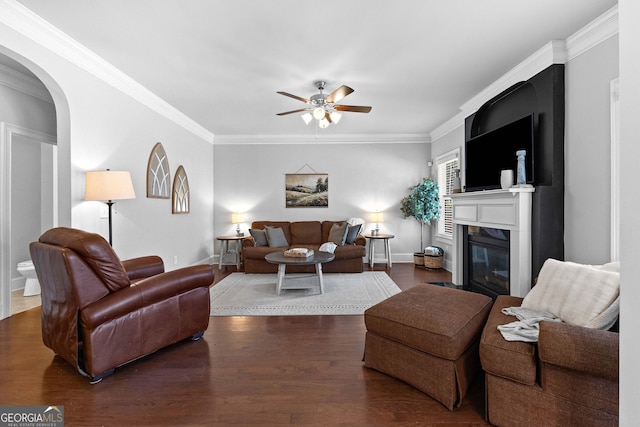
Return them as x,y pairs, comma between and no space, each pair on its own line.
181,201
158,174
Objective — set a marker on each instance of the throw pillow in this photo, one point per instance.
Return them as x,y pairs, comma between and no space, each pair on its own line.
352,233
259,237
578,294
276,237
338,233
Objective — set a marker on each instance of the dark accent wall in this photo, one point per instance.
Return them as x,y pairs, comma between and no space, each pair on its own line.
543,95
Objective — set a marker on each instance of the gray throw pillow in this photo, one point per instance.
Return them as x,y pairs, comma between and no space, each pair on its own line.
259,237
338,233
352,233
276,237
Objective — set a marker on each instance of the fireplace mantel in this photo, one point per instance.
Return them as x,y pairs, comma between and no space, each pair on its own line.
502,209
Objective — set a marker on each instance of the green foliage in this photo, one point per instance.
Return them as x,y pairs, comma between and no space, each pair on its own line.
422,203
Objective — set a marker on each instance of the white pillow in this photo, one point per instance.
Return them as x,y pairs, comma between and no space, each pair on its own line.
579,294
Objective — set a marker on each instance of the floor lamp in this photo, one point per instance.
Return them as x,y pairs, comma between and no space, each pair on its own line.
108,186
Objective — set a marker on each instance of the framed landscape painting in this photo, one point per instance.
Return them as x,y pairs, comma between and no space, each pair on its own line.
307,190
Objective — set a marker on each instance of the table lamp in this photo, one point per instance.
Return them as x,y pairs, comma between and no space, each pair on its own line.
376,217
237,218
108,186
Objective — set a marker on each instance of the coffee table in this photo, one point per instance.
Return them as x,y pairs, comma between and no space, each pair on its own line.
317,259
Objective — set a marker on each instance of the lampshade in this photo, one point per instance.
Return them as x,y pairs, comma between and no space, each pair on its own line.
377,217
324,123
109,185
318,113
237,218
307,117
335,117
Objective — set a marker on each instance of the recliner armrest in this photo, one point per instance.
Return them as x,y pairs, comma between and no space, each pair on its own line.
591,351
143,267
146,293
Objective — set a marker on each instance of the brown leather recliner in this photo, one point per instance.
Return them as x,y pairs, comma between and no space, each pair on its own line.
99,312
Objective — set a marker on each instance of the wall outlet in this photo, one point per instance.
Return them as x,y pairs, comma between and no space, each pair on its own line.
175,260
104,211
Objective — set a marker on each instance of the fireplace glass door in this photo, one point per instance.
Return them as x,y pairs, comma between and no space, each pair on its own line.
486,260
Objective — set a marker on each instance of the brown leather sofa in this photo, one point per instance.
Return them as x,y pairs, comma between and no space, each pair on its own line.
99,312
303,234
569,378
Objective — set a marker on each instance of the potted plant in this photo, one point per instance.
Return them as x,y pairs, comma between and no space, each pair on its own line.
423,205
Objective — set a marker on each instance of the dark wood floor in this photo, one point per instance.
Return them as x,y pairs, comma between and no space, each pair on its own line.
271,371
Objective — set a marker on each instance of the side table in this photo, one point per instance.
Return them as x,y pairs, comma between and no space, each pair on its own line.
387,249
224,250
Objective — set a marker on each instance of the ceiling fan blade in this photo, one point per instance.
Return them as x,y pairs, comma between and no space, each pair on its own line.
295,97
338,94
291,112
352,108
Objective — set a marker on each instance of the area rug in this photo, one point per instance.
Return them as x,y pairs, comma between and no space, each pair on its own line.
242,294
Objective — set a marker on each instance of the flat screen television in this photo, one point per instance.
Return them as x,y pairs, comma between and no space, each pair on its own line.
487,154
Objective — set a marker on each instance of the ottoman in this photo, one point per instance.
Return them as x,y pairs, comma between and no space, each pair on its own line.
428,337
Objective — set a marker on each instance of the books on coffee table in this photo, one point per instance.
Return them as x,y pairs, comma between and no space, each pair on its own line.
298,252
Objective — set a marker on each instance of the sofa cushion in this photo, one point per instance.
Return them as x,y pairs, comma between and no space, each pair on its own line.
305,232
276,237
259,237
352,233
260,225
578,294
338,233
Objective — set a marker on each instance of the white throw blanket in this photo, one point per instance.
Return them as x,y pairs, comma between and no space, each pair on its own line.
328,247
527,328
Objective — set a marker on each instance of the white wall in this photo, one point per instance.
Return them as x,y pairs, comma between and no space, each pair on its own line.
629,208
99,127
587,153
363,178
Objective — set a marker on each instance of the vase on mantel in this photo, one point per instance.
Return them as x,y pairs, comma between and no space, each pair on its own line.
506,179
521,171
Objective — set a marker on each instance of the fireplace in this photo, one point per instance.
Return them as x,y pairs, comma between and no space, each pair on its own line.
500,253
486,260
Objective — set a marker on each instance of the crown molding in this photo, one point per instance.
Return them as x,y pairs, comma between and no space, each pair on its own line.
35,28
554,52
594,33
320,139
23,83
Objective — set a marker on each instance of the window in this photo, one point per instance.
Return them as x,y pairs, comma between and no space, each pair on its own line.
447,166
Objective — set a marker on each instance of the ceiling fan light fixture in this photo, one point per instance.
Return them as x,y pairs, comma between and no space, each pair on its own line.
307,117
318,113
323,108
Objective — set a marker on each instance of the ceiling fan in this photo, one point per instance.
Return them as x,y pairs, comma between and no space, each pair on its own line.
323,107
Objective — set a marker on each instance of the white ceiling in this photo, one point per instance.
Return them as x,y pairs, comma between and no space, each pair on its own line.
221,62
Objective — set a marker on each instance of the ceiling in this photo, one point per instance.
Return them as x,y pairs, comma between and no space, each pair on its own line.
221,62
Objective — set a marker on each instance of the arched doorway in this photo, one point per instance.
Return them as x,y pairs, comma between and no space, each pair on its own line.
58,165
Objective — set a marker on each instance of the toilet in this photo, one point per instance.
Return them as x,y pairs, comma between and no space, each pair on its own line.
28,270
